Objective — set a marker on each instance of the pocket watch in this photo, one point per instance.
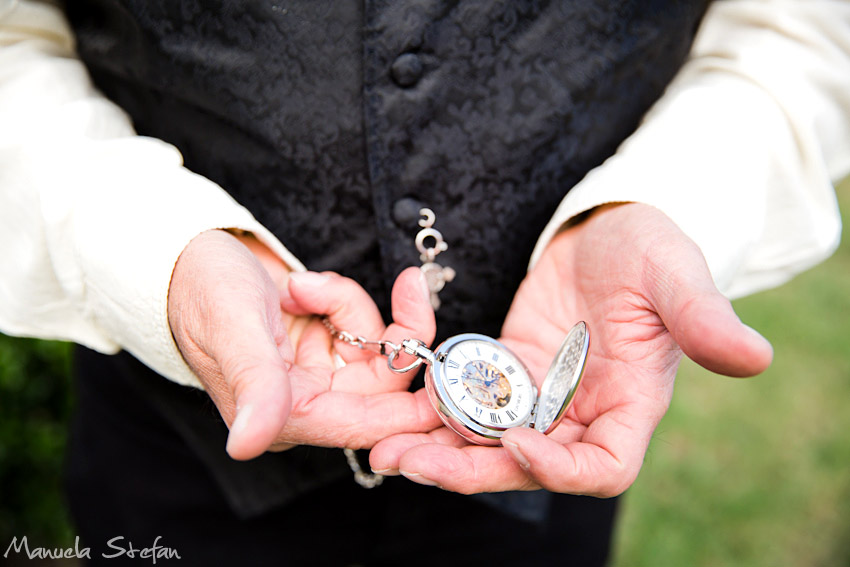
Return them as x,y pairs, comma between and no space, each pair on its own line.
481,389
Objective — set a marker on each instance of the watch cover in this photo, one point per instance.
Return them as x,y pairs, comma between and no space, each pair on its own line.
563,379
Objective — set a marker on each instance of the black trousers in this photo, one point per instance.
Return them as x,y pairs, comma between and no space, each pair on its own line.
137,477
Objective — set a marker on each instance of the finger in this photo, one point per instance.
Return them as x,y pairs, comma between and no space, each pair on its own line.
528,460
701,320
575,468
316,354
385,455
224,312
413,318
606,458
603,462
315,348
347,305
468,470
255,374
711,334
343,419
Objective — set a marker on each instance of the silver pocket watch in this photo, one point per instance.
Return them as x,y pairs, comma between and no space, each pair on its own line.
481,389
478,386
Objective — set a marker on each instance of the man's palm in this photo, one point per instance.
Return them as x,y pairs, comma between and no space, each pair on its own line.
644,290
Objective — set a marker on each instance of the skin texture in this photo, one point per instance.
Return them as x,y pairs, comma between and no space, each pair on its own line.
647,296
240,320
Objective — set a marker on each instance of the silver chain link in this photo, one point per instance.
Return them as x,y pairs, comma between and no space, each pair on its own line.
391,351
359,341
384,348
361,477
436,276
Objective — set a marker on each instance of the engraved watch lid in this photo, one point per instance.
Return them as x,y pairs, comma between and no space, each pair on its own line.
563,379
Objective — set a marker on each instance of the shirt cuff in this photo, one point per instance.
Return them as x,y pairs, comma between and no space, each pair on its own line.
139,210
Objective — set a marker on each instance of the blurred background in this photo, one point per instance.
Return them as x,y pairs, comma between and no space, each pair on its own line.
756,472
740,472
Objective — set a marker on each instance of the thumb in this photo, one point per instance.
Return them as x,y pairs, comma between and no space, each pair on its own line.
703,322
257,376
251,349
225,316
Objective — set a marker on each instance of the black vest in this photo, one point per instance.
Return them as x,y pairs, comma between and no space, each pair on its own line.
333,121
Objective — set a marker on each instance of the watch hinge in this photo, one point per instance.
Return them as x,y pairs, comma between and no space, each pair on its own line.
532,419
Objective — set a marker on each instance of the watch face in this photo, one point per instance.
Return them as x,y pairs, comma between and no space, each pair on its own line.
487,382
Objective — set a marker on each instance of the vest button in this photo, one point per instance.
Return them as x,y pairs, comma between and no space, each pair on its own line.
406,212
406,70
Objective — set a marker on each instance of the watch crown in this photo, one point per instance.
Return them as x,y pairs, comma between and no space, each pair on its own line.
416,347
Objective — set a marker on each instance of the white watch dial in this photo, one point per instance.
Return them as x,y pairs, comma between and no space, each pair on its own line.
489,384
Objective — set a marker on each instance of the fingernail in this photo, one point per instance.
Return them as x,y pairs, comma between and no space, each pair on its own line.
513,449
243,415
418,478
386,472
423,286
309,278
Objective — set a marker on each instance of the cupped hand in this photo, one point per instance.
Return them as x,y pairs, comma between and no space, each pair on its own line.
646,294
247,328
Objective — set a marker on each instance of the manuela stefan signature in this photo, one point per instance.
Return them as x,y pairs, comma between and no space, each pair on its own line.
118,547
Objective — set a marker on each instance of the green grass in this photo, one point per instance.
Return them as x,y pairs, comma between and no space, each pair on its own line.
35,405
755,472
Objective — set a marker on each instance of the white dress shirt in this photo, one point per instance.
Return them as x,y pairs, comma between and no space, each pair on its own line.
741,152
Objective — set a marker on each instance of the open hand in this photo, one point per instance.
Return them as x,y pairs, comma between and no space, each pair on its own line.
246,327
646,294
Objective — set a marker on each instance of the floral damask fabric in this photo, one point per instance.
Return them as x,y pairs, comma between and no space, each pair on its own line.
334,121
323,117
